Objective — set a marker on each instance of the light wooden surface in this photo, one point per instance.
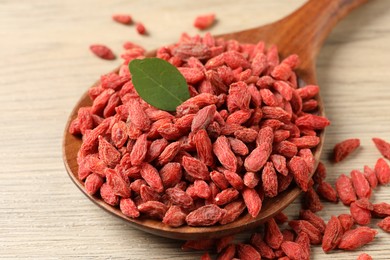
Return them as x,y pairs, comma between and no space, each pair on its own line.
45,66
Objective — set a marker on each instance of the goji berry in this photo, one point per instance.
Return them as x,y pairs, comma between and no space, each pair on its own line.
314,234
345,189
326,191
273,236
345,148
102,51
384,224
355,238
140,27
383,147
382,171
332,235
247,252
122,18
258,243
207,215
204,21
364,256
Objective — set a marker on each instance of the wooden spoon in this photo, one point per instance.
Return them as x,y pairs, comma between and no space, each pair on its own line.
302,32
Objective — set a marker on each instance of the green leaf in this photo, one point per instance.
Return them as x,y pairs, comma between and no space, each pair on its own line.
159,83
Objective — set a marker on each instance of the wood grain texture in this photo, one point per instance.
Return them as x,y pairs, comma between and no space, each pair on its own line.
45,67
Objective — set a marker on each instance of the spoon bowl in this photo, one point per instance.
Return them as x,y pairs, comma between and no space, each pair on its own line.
302,32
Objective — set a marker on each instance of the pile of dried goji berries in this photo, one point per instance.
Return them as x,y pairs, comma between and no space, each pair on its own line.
345,231
244,135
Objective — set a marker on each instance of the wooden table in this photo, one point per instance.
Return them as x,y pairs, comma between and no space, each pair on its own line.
45,66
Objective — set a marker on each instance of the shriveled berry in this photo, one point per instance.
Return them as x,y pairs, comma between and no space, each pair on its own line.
205,216
203,22
345,148
333,234
356,238
383,147
102,51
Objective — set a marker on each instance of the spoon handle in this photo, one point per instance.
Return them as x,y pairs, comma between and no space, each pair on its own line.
309,26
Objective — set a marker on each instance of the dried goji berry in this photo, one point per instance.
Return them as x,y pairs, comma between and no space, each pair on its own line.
228,253
169,153
204,21
129,208
346,221
122,18
171,174
308,91
360,184
226,157
138,153
195,168
119,183
345,148
292,249
251,179
257,242
345,189
179,197
234,179
153,209
207,215
269,180
93,183
284,181
258,157
137,115
314,219
312,201
247,252
304,240
382,146
364,256
314,234
108,153
204,147
247,135
233,211
355,238
320,173
332,235
307,155
273,237
370,176
382,171
224,242
384,224
226,196
300,172
152,177
361,215
108,195
281,218
381,209
147,193
286,148
326,191
312,122
140,28
102,51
